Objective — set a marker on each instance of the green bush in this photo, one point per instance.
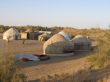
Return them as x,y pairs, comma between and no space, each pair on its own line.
9,71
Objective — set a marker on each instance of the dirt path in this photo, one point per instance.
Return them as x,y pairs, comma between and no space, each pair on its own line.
56,65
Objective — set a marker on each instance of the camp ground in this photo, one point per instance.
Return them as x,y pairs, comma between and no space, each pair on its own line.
47,54
36,68
54,40
44,50
59,44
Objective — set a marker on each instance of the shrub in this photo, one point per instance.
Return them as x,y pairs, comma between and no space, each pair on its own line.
101,57
9,71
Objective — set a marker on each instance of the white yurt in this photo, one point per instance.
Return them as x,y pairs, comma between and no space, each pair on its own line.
57,44
66,35
11,34
81,43
44,37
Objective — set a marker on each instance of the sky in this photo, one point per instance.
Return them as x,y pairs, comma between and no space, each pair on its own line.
67,13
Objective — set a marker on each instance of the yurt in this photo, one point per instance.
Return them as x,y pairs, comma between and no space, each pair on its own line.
44,37
65,35
11,34
81,43
57,44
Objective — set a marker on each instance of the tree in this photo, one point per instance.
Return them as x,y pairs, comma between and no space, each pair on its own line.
2,28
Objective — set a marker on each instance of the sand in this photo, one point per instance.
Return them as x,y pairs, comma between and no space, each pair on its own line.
56,65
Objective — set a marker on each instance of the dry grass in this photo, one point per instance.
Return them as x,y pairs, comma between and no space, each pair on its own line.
1,35
93,33
9,71
101,57
85,75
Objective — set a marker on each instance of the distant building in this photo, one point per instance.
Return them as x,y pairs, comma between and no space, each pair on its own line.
24,35
30,35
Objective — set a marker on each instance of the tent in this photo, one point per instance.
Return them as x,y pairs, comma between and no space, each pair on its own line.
66,35
44,37
57,44
11,34
81,43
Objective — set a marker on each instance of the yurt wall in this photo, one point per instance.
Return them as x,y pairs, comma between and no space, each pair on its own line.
57,44
81,43
33,35
24,35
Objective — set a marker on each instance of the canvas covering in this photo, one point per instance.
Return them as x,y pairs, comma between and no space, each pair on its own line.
11,34
81,43
57,44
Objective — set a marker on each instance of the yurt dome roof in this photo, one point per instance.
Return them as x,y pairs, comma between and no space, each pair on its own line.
45,34
11,31
58,37
10,34
81,39
66,35
55,45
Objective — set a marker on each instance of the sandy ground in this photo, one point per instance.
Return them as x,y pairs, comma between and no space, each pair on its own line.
55,65
30,47
35,70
